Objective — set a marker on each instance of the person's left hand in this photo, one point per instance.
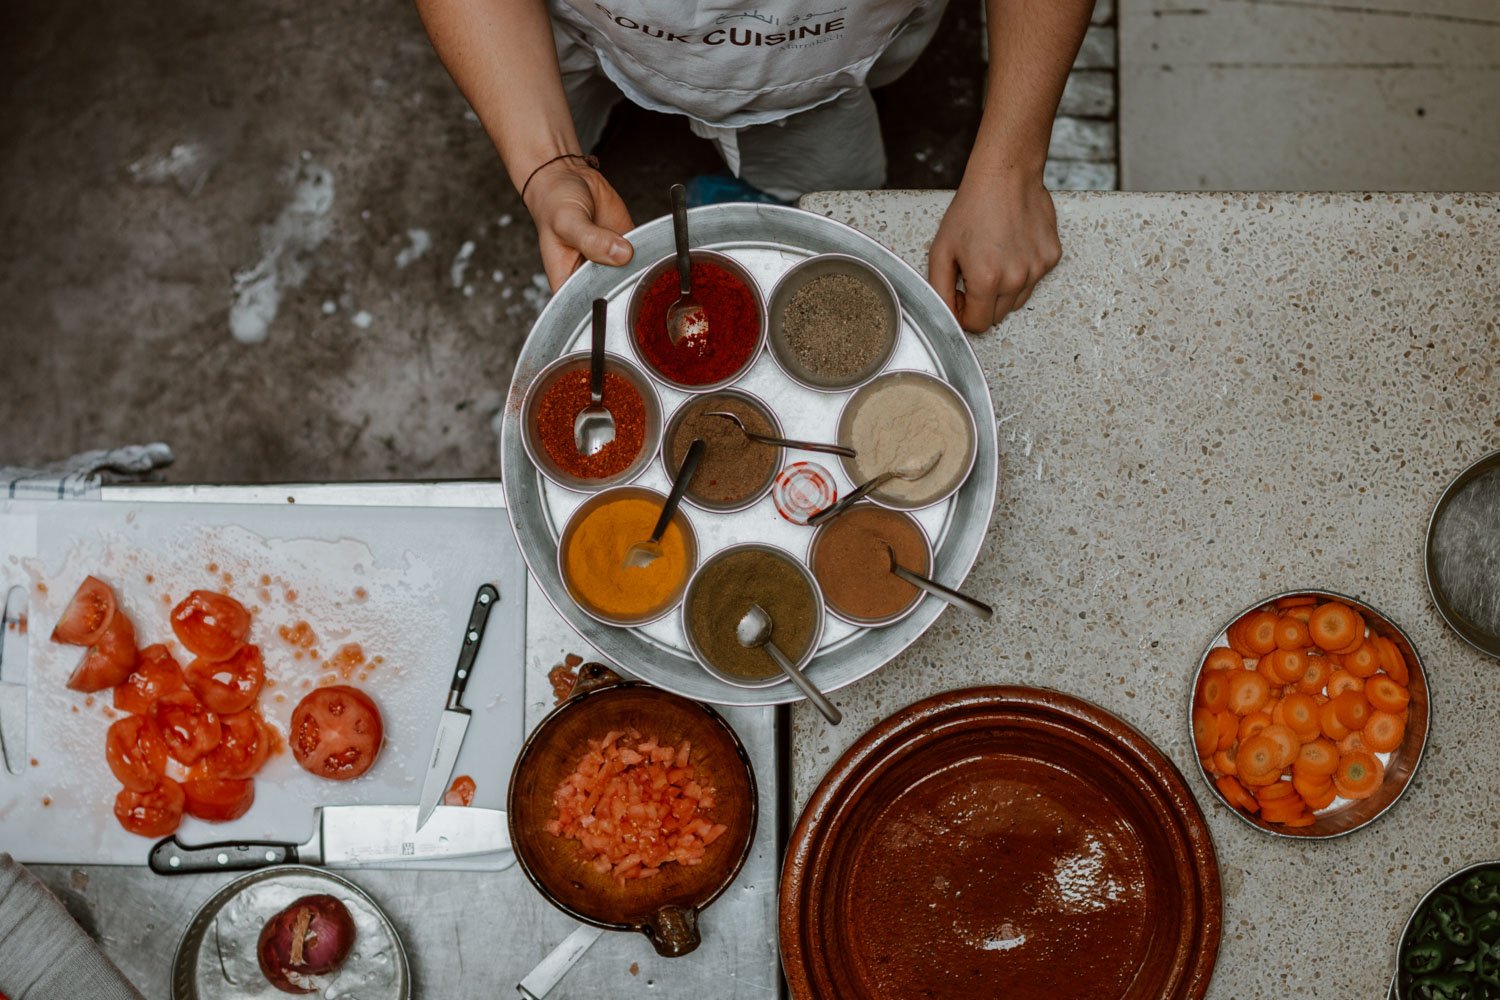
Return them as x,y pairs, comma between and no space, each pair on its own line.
1000,235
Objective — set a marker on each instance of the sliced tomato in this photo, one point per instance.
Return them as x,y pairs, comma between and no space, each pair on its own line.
87,615
136,752
228,686
212,626
155,813
244,747
461,792
336,732
218,800
156,673
109,660
188,727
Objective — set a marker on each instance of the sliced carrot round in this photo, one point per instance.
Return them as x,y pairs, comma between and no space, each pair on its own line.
1358,775
1291,633
1342,680
1236,794
1229,730
1270,793
1286,742
1391,660
1295,601
1223,658
1311,786
1364,661
1317,758
1353,743
1329,720
1284,809
1248,691
1306,819
1333,626
1258,760
1385,694
1303,613
1321,798
1384,732
1236,637
1260,632
1353,709
1213,689
1252,724
1290,665
1205,731
1315,675
1300,712
1224,762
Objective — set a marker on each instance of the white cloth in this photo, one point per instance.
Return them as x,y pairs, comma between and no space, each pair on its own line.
81,475
44,954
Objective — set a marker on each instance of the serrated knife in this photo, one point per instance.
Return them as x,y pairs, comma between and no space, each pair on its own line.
349,835
454,721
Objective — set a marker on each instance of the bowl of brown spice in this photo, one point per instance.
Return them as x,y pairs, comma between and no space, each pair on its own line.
735,472
834,322
555,398
852,564
721,592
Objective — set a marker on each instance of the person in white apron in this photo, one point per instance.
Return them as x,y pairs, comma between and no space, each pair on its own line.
782,88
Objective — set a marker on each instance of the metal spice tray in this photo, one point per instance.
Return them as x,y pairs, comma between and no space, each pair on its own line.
767,240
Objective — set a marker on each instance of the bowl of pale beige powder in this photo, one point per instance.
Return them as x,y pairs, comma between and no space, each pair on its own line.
916,425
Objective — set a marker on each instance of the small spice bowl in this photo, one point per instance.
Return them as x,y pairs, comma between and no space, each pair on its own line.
593,503
531,435
1402,762
957,469
924,568
694,592
669,263
704,403
798,278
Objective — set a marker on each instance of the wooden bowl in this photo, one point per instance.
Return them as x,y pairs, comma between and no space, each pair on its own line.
664,907
1001,841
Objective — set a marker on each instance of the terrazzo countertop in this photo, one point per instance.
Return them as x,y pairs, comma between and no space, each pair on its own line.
1215,398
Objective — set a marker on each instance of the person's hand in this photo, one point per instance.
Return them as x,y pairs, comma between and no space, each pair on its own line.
578,217
1000,236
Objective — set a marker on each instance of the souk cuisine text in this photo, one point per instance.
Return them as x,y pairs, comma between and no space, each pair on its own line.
734,36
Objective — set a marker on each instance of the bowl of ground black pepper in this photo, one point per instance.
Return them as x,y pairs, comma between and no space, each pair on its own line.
851,563
553,401
720,593
736,319
834,322
735,472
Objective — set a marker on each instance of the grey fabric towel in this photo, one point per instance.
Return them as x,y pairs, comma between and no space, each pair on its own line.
44,954
80,475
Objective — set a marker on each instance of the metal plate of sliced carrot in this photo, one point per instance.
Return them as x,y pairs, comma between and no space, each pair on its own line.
1309,714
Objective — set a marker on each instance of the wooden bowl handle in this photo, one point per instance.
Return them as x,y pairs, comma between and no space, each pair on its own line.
673,931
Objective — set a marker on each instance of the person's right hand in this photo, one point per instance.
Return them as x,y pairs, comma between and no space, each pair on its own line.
578,217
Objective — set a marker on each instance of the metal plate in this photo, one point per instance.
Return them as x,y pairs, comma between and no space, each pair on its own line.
216,956
1463,555
768,240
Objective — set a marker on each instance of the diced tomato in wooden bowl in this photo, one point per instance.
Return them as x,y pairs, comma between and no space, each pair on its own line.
1309,714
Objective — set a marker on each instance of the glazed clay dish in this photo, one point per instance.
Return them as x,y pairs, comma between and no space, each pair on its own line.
1001,842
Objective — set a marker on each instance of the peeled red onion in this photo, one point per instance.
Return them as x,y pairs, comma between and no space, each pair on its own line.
311,937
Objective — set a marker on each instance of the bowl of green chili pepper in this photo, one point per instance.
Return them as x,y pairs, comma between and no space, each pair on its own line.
1450,949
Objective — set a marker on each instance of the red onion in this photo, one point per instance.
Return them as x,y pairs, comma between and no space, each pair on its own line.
311,937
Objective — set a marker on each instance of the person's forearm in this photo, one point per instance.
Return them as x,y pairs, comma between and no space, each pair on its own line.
501,55
1032,47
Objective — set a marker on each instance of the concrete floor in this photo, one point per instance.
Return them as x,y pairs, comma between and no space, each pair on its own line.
164,166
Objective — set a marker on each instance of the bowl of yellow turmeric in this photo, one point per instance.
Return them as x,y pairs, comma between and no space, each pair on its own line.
591,557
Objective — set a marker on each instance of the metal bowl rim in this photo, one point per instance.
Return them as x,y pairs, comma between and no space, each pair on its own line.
885,289
1470,473
759,494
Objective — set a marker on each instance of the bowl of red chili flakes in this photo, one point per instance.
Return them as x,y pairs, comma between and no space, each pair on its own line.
733,306
553,401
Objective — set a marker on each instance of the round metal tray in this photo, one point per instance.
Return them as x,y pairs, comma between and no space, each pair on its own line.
375,970
1463,555
767,240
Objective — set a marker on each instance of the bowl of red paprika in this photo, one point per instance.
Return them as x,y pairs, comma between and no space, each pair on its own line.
553,401
735,310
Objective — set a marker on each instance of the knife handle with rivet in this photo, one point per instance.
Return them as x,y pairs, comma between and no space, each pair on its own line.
484,600
172,857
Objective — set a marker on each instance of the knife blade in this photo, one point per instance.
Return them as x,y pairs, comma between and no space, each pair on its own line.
454,721
349,836
13,681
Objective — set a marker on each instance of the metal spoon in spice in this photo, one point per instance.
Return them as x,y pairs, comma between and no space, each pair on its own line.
959,600
754,630
908,472
647,552
827,449
594,427
686,319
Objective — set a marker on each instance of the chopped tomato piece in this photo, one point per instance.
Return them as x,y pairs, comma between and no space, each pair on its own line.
336,732
136,753
218,800
244,747
461,792
156,673
189,729
155,813
212,626
109,660
228,686
87,615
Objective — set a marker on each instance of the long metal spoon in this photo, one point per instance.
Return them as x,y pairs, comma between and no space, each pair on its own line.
754,630
647,552
686,319
594,427
910,472
827,449
959,600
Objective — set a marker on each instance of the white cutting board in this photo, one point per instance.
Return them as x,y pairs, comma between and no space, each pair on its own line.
398,580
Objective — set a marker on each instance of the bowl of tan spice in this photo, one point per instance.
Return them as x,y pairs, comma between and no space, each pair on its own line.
735,472
834,322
